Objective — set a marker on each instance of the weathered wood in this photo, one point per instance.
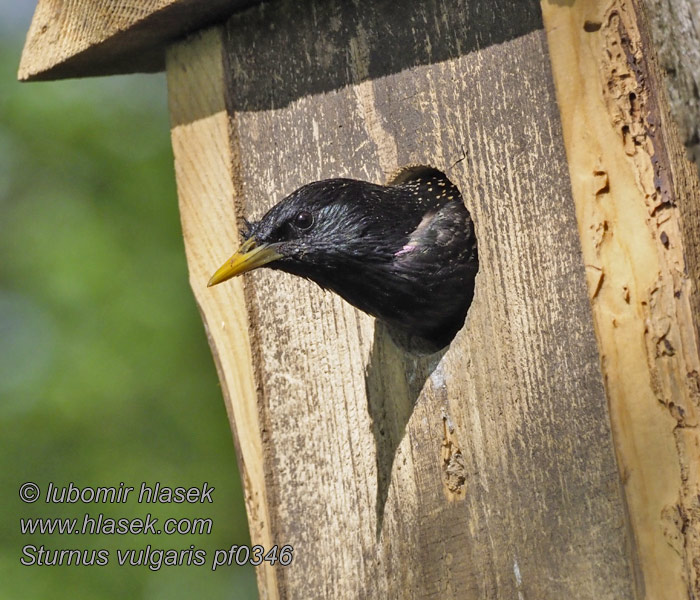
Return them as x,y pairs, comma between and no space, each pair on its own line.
79,38
207,182
487,470
675,29
638,207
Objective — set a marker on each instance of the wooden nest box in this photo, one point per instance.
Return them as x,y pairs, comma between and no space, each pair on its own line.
553,450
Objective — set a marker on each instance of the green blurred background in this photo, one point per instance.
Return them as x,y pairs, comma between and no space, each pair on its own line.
105,373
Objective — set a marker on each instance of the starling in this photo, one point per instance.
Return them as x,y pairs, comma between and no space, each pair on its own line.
404,253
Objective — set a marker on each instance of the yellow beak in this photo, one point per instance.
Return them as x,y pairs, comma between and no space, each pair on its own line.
249,256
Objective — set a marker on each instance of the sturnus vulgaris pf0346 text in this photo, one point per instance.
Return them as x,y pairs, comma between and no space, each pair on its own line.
404,253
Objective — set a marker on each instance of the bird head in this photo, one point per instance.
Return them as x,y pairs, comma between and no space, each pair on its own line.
316,232
404,253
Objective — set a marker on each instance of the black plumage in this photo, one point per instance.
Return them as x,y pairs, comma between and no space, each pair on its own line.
405,253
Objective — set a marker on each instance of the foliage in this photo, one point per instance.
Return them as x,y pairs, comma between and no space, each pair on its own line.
105,374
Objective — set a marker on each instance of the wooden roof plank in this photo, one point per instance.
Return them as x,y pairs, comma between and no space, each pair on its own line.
82,38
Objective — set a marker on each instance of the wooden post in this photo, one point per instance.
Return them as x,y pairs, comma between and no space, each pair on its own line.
637,201
205,168
551,451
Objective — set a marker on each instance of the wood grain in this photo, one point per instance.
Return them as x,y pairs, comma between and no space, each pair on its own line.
637,201
79,38
486,470
675,32
206,182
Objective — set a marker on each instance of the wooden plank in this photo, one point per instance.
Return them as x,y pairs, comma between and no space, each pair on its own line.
484,471
675,31
207,185
80,38
638,207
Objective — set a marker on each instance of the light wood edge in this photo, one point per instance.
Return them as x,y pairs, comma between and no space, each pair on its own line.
61,31
641,290
84,38
201,138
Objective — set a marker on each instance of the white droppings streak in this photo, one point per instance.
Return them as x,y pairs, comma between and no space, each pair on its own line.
518,580
437,377
448,421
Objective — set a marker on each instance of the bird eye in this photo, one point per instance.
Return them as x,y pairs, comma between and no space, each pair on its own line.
304,220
